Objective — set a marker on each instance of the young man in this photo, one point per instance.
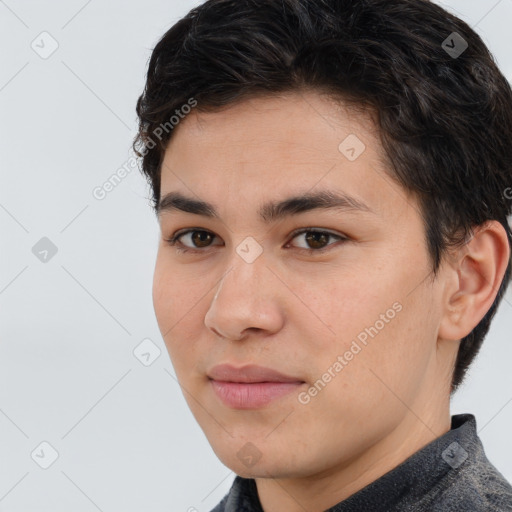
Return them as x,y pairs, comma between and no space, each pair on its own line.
332,183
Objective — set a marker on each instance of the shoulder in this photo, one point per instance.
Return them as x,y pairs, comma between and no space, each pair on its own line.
489,493
466,478
478,486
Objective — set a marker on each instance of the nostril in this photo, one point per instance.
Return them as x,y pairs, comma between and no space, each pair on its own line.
217,332
229,338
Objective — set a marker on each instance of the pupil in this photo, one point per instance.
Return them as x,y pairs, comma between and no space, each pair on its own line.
203,235
315,237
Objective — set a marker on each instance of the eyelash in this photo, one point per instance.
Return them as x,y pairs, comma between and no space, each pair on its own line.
174,240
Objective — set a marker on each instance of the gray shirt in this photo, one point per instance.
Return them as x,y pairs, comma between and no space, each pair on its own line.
450,474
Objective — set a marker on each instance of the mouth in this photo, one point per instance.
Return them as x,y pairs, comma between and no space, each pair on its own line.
251,386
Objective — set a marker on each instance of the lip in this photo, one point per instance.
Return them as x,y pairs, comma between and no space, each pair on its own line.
248,374
251,386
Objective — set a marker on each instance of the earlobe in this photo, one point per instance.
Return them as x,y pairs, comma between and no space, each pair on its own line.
479,268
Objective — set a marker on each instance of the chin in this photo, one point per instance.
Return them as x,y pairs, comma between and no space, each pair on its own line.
261,466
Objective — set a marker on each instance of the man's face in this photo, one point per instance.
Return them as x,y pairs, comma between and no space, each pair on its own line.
353,321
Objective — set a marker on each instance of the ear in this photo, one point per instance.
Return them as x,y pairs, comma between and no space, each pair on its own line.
477,270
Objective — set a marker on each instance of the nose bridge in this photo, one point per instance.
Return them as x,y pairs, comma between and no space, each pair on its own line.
247,268
239,302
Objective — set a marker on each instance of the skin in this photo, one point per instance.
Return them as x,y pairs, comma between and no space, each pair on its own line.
297,312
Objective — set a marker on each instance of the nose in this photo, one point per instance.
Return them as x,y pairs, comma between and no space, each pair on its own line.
247,300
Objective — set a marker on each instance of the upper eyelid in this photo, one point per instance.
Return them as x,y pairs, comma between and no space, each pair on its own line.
301,231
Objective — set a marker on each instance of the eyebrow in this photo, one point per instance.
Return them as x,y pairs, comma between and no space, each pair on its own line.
271,211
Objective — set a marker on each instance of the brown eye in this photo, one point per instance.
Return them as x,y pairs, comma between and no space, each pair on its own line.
317,240
201,238
197,239
191,239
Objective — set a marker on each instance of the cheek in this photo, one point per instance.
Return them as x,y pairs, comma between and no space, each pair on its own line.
169,303
374,323
179,308
163,298
370,375
173,293
340,305
395,354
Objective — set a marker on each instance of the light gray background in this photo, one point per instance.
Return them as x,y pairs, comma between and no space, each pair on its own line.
68,327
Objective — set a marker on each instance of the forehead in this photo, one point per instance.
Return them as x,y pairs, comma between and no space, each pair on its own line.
303,117
271,146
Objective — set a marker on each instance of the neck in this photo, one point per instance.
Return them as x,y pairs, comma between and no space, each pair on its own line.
317,493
